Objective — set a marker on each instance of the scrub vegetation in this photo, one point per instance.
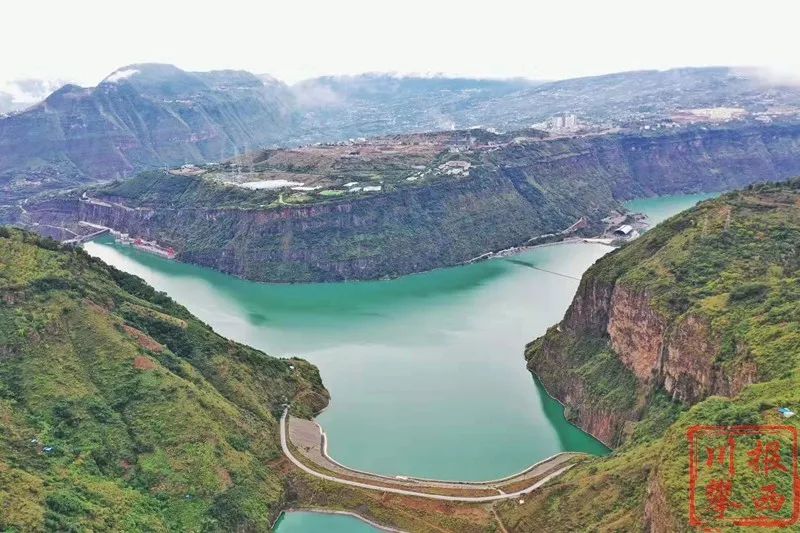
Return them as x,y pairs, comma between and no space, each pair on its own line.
122,411
734,262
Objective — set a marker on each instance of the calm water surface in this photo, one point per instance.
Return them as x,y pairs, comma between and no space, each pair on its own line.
661,208
303,522
426,372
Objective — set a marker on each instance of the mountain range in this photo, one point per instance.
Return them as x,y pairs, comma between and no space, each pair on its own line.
138,117
149,116
402,204
374,104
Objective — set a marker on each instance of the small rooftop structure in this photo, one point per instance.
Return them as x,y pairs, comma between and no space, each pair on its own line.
455,168
624,229
456,164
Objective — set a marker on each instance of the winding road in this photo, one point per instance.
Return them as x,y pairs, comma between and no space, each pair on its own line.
405,492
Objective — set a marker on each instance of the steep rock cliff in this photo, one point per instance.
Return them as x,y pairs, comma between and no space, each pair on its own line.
696,322
514,192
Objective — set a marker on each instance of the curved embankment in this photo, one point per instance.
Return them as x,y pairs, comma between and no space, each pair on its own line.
454,491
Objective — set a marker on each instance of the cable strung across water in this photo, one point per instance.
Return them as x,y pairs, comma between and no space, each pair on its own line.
525,264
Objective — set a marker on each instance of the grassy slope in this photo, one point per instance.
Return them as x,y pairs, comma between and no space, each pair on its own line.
155,422
734,261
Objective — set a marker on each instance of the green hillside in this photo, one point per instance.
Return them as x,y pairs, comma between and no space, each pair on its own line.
122,411
721,284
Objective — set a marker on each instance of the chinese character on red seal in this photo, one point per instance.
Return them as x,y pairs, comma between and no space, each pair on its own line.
743,476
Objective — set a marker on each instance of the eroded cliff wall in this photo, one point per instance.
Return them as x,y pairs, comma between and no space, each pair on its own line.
516,192
694,323
651,348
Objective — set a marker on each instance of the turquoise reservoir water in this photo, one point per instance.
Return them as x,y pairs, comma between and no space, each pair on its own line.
302,522
426,372
661,208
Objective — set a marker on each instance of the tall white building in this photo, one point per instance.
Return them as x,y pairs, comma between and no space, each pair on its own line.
566,121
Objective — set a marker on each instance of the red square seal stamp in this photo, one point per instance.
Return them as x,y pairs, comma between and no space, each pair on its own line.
743,476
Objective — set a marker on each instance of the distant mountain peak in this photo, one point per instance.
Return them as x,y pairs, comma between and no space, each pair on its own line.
16,95
66,93
145,72
120,74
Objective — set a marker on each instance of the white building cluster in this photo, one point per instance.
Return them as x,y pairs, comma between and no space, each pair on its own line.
564,122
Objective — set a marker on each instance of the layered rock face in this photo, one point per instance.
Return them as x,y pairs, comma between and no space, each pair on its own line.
516,192
655,311
603,315
693,324
676,355
636,332
635,165
368,238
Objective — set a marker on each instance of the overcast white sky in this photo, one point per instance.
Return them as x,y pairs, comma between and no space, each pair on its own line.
85,40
